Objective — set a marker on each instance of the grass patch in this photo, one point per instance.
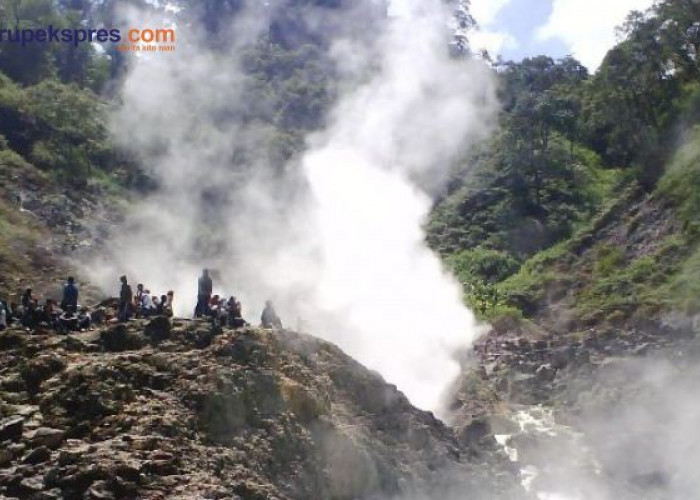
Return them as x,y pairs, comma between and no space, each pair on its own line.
18,233
681,182
641,287
527,289
609,258
682,291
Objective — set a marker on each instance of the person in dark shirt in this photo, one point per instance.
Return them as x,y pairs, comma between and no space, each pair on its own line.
138,300
70,295
50,313
204,291
126,298
68,322
235,313
30,314
84,319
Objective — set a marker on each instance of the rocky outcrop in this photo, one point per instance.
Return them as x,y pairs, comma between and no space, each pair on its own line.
518,367
151,410
604,413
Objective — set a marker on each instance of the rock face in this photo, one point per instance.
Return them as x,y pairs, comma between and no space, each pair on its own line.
187,412
610,413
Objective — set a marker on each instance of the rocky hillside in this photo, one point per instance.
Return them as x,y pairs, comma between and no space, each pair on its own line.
609,413
45,228
180,410
591,388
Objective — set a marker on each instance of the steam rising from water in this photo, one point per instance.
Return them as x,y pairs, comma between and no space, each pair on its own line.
340,244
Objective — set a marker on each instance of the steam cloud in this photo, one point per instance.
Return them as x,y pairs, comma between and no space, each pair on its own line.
339,242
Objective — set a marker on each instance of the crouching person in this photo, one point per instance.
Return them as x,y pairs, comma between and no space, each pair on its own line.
68,322
269,318
84,319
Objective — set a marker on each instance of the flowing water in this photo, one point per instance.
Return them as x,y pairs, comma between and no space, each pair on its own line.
554,462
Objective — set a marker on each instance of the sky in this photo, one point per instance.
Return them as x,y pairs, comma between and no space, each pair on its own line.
521,28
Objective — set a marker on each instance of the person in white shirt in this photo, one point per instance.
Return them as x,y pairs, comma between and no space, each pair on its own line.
146,304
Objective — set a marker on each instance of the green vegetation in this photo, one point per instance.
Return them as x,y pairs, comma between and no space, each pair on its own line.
535,182
608,281
478,270
55,97
684,287
480,264
631,288
56,127
681,185
291,89
681,181
82,65
585,187
21,238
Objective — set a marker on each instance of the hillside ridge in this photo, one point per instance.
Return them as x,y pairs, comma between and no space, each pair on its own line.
151,409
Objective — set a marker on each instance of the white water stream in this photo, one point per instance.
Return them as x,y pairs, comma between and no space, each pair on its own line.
552,458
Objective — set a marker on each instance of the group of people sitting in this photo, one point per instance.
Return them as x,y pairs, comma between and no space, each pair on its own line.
142,304
68,316
228,312
222,311
30,313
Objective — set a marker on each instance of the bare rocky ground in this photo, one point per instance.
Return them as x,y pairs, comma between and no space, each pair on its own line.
607,413
182,410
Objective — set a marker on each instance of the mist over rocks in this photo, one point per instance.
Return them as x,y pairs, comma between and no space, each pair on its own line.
211,414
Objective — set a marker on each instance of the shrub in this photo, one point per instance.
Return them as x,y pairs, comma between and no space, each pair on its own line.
482,265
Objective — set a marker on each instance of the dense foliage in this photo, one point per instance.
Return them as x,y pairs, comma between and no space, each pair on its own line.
54,97
569,145
535,180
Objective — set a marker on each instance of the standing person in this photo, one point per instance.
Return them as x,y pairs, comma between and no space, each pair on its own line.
126,297
70,295
204,290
